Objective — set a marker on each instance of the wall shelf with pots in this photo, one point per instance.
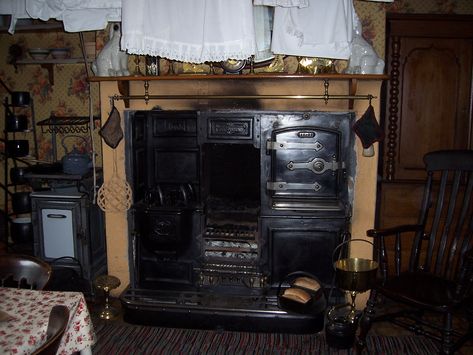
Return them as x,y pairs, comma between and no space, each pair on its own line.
18,151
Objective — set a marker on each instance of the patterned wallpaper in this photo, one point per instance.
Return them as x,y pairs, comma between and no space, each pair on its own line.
69,96
373,15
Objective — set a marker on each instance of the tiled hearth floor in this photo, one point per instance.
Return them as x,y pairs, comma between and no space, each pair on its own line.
381,328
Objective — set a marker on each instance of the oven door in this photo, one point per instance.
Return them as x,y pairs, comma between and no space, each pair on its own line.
305,167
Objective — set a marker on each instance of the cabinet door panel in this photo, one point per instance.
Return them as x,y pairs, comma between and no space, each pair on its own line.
433,113
428,103
58,233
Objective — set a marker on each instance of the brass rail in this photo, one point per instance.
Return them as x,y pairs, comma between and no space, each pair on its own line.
326,96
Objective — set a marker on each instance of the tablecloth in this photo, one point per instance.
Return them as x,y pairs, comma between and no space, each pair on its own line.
25,331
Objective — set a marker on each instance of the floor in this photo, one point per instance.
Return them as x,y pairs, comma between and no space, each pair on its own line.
381,328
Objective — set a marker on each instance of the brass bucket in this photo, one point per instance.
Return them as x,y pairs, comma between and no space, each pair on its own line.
355,274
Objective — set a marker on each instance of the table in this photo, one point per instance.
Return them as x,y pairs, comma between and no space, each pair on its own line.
26,330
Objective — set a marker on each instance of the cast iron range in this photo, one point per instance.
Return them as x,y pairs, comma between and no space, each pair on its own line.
227,204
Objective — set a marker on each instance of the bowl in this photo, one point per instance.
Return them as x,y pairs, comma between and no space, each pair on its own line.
60,53
39,53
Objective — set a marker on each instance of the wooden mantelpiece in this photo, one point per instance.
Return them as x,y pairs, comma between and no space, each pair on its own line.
123,84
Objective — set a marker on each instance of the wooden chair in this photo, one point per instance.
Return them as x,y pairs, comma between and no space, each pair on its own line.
435,279
58,319
24,271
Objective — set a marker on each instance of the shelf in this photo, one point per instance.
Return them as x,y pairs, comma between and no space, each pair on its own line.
35,27
352,79
66,125
22,131
49,63
258,76
54,61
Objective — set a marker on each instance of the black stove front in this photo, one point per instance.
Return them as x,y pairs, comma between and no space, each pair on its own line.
227,204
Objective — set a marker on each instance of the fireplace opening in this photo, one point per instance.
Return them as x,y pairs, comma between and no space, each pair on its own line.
231,181
231,185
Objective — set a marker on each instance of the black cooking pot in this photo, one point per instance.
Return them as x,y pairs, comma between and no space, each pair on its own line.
21,202
16,123
18,98
17,174
17,147
21,230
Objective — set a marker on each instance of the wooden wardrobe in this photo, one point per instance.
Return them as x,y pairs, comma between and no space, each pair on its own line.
427,105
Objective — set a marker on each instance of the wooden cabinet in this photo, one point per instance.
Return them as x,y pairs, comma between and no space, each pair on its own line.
428,101
428,104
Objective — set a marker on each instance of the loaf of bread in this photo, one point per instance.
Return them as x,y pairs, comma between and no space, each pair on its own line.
296,295
307,283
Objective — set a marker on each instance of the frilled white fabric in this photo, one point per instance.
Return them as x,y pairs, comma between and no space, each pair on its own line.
263,27
76,15
192,31
283,3
323,29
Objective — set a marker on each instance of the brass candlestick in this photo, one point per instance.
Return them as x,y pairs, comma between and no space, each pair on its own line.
107,283
137,71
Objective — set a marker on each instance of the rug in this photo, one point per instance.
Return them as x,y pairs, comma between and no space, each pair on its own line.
124,339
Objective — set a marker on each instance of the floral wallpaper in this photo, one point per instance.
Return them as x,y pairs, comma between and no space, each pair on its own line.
64,90
373,15
60,90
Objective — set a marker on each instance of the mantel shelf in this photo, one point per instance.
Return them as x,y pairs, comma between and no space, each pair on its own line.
270,76
352,79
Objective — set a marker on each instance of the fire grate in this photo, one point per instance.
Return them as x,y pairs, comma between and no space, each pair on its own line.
231,242
231,275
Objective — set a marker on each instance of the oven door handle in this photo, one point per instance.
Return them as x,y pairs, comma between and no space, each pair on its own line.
55,215
282,185
272,145
316,165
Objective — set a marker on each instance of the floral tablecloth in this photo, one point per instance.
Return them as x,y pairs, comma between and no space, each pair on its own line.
25,330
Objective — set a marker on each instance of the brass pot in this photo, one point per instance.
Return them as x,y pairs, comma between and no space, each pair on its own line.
356,274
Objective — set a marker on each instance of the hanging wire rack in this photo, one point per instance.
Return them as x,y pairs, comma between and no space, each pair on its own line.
65,125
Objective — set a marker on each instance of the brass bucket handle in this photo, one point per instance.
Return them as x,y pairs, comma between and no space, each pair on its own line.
346,242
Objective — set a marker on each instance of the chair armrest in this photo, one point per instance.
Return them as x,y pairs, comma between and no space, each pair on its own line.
394,230
469,256
465,276
382,254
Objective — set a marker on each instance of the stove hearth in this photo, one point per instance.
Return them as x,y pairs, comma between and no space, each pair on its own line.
226,205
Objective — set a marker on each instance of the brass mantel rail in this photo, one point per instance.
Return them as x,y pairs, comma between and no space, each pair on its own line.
326,98
352,79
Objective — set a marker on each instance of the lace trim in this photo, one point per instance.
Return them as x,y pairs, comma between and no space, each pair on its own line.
186,52
283,3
